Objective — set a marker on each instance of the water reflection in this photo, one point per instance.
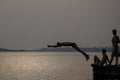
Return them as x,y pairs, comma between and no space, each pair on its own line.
44,66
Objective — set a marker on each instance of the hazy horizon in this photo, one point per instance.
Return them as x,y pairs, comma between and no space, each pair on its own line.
32,24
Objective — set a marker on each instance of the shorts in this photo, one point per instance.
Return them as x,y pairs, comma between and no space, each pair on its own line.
114,51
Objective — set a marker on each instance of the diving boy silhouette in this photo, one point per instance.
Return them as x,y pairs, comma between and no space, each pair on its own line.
73,45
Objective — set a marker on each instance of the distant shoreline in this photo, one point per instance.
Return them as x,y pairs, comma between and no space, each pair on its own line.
95,49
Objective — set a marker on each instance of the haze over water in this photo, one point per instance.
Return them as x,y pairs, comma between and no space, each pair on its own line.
45,66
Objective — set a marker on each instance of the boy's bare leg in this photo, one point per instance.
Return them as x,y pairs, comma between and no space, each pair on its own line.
112,57
116,60
78,49
96,59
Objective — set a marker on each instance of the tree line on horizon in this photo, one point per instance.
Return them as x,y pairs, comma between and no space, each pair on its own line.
86,49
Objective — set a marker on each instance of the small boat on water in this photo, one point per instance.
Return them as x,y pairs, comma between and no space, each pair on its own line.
108,72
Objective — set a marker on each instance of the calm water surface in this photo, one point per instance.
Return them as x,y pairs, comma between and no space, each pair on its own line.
45,66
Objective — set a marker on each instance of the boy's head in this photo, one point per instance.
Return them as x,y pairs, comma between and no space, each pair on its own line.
114,31
103,51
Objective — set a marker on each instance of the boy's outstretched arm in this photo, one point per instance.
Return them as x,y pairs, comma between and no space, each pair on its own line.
52,46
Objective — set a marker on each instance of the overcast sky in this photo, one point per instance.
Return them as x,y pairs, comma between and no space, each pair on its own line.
30,24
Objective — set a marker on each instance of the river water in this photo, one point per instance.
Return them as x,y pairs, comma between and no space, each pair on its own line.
45,66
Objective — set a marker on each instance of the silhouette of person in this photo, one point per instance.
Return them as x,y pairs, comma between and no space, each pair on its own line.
73,45
104,59
115,40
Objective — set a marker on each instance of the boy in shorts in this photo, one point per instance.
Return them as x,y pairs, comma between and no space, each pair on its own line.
115,41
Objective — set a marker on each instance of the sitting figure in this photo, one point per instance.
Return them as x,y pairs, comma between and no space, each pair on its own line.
104,59
72,45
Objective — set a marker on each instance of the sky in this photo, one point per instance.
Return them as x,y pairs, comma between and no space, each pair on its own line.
29,24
